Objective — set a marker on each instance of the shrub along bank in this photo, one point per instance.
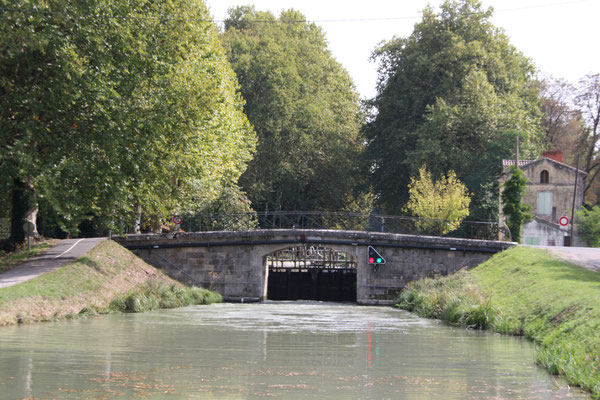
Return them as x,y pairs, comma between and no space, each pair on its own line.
524,291
108,279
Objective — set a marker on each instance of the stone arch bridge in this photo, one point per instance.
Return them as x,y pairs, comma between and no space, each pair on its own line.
290,264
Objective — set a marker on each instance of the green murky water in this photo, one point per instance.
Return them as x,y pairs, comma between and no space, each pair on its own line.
270,350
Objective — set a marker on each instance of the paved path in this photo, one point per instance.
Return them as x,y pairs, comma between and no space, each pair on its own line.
587,257
64,252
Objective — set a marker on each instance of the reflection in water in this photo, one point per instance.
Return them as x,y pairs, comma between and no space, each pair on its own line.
273,349
28,377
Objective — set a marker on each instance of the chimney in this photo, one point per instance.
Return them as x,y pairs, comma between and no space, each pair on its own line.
555,155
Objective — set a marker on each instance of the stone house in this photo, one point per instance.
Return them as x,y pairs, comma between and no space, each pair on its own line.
550,189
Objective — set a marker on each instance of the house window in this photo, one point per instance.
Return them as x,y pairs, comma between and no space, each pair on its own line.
544,203
544,177
532,241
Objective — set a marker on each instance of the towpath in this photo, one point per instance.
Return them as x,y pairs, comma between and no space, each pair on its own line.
587,257
64,252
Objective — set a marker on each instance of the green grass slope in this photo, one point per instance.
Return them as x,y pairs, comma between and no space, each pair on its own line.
10,260
108,279
524,291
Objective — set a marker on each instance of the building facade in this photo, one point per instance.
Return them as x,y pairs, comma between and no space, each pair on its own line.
550,191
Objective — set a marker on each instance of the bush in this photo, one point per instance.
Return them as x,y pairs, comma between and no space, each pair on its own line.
441,204
452,299
588,224
156,295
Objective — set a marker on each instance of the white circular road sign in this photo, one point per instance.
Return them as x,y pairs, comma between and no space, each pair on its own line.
563,221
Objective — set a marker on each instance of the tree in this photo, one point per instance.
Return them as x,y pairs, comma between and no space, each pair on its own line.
443,204
112,107
588,224
571,119
446,95
305,110
561,121
485,166
515,210
588,102
230,211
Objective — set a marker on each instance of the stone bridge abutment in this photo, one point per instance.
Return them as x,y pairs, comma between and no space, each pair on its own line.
235,263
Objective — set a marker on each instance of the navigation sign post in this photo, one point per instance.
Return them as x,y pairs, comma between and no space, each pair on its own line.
374,258
29,229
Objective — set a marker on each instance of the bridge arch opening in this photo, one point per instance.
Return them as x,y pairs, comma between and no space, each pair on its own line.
309,272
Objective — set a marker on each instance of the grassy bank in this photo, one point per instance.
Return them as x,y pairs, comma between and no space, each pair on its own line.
524,291
109,279
10,260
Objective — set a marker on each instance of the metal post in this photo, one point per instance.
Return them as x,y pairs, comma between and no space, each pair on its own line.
517,153
508,230
573,208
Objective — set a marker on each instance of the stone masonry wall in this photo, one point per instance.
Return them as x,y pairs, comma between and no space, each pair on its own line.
230,271
234,263
561,184
403,265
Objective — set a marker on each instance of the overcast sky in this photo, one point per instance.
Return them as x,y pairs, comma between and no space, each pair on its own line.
560,36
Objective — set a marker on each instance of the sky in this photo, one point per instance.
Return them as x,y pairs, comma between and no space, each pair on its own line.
559,36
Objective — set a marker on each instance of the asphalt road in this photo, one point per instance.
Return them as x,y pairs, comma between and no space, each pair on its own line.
64,252
587,257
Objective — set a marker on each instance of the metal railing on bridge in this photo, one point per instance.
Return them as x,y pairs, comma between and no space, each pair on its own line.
343,221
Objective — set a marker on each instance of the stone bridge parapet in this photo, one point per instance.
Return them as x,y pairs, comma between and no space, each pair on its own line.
233,263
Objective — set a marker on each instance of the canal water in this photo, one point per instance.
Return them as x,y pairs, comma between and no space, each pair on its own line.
268,350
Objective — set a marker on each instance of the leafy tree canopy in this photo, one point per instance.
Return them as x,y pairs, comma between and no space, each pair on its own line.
515,210
446,96
443,203
305,110
571,123
108,105
588,102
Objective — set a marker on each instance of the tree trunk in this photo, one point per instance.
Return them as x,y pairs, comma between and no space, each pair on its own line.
137,225
24,208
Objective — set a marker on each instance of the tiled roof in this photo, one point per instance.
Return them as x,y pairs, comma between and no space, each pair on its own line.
508,163
524,163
